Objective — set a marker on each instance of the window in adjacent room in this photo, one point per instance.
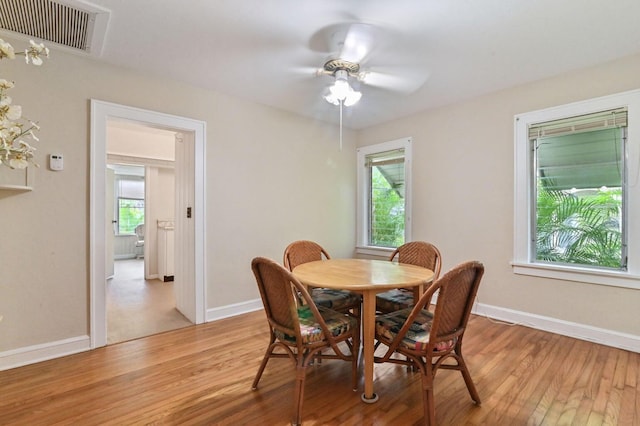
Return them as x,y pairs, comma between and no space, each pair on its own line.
573,195
130,205
383,195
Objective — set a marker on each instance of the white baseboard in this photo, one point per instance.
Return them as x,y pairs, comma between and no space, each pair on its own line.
43,352
214,314
601,336
124,256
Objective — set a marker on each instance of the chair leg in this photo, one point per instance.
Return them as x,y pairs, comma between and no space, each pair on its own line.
411,366
357,313
355,354
467,379
298,395
357,344
263,364
427,399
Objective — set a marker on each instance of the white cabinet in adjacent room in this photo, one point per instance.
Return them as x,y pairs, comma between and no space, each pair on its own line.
166,254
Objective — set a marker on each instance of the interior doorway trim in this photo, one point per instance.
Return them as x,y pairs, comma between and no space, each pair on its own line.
101,112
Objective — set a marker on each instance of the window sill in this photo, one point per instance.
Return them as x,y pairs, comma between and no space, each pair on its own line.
583,275
375,251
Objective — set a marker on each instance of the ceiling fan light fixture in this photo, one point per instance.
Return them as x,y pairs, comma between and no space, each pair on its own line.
352,97
332,99
341,91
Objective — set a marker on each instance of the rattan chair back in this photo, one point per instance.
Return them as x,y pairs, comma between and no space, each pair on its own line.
279,296
303,251
457,292
419,253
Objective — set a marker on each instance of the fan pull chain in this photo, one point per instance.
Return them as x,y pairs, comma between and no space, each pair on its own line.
341,125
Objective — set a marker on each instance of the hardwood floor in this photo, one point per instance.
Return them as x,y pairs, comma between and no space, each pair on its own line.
202,375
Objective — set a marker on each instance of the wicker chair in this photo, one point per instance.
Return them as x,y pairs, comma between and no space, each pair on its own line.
417,253
430,340
299,329
303,251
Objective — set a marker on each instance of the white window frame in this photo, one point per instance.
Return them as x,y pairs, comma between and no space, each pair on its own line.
522,258
362,209
118,196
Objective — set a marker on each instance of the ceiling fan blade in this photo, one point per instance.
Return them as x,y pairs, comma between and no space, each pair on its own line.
350,41
358,41
398,81
305,71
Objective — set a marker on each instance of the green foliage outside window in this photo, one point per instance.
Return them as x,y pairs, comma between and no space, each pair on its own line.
387,212
580,229
130,215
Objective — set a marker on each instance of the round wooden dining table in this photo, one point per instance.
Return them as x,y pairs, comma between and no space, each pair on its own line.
367,277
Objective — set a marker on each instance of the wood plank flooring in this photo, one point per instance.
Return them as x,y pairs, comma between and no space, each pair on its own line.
201,375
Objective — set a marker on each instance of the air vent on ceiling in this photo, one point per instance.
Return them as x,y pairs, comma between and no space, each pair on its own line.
69,23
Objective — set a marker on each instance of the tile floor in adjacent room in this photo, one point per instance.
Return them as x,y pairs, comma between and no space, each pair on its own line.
137,307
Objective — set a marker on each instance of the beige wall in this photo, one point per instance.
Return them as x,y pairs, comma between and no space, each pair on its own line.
463,193
272,177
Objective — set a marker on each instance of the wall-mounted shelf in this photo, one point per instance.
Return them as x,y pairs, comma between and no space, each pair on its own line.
15,187
18,180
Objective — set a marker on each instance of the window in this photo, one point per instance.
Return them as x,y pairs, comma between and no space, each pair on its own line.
579,190
573,196
384,172
130,215
130,205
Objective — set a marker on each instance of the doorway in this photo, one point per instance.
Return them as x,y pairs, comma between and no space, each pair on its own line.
189,231
141,173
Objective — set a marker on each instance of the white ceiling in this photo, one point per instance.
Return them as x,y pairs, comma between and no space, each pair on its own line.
268,50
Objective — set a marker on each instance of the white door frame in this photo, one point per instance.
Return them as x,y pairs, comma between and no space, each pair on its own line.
100,113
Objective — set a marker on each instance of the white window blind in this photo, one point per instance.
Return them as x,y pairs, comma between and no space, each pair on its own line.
583,123
390,164
131,187
580,152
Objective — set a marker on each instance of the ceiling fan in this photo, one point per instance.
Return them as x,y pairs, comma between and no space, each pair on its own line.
370,54
359,52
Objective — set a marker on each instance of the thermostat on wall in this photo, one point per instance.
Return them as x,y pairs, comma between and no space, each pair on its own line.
55,162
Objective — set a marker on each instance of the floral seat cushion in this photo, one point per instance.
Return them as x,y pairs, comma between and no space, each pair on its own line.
337,323
394,300
417,338
334,299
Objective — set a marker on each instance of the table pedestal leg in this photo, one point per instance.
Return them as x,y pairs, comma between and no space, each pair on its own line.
368,335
